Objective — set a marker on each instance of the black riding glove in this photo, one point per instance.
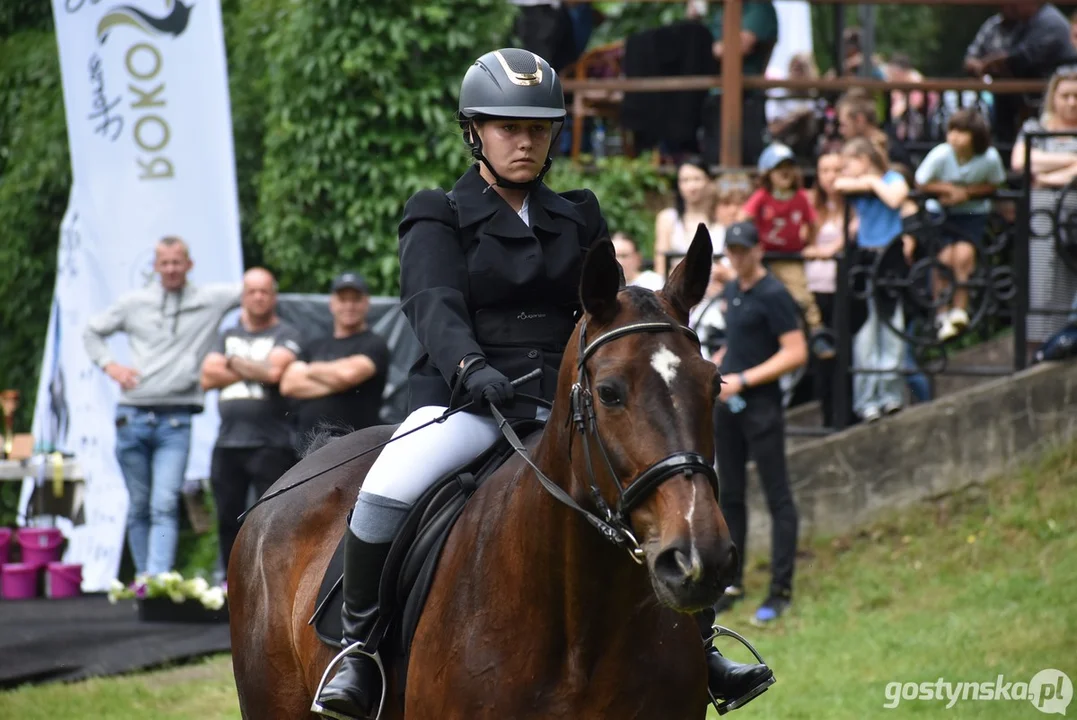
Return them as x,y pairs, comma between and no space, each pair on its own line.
487,386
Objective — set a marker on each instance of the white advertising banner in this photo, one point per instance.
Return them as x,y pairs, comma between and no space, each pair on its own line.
149,125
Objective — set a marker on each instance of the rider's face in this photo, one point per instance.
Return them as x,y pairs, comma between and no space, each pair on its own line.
516,148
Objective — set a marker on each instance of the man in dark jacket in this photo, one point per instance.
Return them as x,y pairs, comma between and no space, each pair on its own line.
339,379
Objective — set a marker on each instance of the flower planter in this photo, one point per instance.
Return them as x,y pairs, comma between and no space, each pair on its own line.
162,609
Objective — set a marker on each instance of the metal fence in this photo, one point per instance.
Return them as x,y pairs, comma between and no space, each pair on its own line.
999,288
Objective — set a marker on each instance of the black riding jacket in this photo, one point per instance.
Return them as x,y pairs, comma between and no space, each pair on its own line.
474,279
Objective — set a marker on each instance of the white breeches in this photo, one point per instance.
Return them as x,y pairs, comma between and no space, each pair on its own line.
407,467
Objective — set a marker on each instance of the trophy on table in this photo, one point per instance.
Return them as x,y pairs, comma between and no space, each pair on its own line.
9,403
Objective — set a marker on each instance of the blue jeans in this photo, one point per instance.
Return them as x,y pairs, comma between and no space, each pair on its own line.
918,384
877,347
152,447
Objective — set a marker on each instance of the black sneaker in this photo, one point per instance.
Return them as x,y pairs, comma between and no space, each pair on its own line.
772,608
730,597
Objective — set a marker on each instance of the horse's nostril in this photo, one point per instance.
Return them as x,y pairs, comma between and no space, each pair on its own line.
674,565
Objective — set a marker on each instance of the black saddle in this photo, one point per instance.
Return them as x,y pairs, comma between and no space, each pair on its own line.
413,558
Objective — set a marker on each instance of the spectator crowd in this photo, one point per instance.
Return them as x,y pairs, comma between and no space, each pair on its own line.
277,388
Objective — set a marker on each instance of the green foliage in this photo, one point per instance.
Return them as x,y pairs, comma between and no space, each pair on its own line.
19,15
247,26
934,37
35,178
624,19
626,190
356,127
960,25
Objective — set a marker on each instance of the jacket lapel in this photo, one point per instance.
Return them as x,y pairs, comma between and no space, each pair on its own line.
477,202
546,205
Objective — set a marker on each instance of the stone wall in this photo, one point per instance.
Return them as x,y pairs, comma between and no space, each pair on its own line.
995,353
844,480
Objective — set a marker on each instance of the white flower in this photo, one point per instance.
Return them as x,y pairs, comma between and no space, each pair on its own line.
213,598
177,597
169,578
116,590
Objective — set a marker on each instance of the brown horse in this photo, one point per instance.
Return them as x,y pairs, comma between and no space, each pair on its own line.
533,613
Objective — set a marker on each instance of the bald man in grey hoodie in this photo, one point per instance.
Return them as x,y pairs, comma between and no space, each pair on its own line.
170,325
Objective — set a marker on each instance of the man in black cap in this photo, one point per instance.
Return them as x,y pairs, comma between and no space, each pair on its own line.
764,341
339,380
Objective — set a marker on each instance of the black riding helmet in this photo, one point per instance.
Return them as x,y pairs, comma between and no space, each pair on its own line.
510,83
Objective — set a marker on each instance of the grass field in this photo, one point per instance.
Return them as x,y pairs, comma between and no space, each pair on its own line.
966,588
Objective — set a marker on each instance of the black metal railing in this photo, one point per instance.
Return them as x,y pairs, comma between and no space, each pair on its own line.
998,288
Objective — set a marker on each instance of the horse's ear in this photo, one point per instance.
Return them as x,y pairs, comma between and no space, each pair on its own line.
600,280
688,282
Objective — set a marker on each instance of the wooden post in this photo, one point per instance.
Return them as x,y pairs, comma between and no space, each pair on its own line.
732,85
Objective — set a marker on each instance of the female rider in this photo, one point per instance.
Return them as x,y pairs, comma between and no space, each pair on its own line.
489,283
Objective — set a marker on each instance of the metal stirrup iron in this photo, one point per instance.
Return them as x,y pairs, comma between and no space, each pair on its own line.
358,648
723,707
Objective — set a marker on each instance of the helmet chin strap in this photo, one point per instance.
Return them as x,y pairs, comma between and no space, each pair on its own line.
475,142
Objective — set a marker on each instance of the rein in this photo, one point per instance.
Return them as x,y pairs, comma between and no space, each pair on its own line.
614,525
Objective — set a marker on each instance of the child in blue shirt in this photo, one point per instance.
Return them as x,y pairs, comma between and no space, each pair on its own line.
964,172
878,348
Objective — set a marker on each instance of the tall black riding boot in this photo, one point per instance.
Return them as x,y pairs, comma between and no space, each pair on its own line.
731,684
355,691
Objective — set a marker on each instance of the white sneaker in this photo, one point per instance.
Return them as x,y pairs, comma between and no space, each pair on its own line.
870,414
946,328
959,319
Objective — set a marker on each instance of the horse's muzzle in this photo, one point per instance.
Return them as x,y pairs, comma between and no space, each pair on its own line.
689,577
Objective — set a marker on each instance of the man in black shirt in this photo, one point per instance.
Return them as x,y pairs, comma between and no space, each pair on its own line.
255,443
764,341
340,379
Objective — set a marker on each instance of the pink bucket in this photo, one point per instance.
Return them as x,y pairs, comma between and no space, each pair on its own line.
63,580
5,544
19,581
40,546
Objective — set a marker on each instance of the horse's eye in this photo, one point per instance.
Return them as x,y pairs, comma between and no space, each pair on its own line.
609,396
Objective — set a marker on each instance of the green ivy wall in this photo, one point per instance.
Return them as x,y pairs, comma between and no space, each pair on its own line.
341,111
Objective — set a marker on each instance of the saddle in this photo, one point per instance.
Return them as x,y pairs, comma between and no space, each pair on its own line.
413,559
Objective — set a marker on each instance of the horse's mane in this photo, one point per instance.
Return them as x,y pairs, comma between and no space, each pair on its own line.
321,435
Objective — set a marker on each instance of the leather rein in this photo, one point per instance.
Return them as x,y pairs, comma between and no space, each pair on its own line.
612,522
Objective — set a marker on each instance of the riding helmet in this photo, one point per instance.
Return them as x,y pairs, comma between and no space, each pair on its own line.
512,83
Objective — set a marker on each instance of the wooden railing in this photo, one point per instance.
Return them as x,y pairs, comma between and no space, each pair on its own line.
733,83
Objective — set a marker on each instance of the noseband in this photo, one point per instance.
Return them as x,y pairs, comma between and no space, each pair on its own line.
614,524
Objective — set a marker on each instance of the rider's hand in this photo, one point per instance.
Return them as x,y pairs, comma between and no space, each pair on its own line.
487,386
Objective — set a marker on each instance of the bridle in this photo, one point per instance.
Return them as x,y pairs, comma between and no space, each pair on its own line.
613,523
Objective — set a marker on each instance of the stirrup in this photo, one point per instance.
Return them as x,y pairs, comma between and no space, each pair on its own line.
722,708
357,648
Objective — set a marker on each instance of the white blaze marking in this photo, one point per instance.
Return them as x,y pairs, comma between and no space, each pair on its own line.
665,364
696,561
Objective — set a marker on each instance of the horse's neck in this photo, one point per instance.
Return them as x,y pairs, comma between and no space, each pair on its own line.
601,590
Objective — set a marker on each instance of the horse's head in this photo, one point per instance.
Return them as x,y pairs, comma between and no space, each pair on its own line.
643,398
